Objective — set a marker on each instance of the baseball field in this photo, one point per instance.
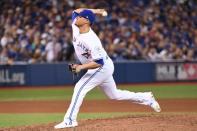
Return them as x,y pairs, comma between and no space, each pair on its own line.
40,108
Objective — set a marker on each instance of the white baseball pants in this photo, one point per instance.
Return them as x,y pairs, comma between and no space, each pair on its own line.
103,78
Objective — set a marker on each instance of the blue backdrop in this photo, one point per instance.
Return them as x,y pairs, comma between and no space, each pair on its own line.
125,72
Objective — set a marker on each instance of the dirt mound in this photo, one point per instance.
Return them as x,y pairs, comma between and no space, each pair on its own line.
152,122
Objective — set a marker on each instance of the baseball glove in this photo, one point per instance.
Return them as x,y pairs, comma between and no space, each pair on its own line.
71,68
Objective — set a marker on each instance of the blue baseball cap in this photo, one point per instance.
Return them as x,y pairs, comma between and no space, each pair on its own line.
88,14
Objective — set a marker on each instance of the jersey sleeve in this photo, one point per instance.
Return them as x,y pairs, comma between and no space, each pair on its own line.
75,29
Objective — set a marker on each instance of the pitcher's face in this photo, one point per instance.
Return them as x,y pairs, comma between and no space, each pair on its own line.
81,21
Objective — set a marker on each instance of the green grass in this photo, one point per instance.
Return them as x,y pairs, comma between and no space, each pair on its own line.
10,120
165,92
36,94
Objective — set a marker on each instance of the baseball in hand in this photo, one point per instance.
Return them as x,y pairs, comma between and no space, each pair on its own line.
104,13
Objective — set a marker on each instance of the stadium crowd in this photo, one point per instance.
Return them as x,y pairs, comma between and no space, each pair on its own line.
37,31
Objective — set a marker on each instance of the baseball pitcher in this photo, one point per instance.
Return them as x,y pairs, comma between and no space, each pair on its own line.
99,66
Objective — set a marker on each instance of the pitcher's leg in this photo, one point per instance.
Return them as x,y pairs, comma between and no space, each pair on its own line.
90,80
83,86
110,89
76,101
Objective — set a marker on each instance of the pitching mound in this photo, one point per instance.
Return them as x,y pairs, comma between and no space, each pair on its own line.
152,122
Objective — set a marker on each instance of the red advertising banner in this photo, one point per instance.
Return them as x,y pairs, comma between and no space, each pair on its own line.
176,71
188,71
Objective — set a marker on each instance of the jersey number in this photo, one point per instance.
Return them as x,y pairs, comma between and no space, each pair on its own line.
86,54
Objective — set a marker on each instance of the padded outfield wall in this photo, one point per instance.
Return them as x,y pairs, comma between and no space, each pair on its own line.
125,72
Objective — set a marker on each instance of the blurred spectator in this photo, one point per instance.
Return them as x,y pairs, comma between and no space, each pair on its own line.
36,31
